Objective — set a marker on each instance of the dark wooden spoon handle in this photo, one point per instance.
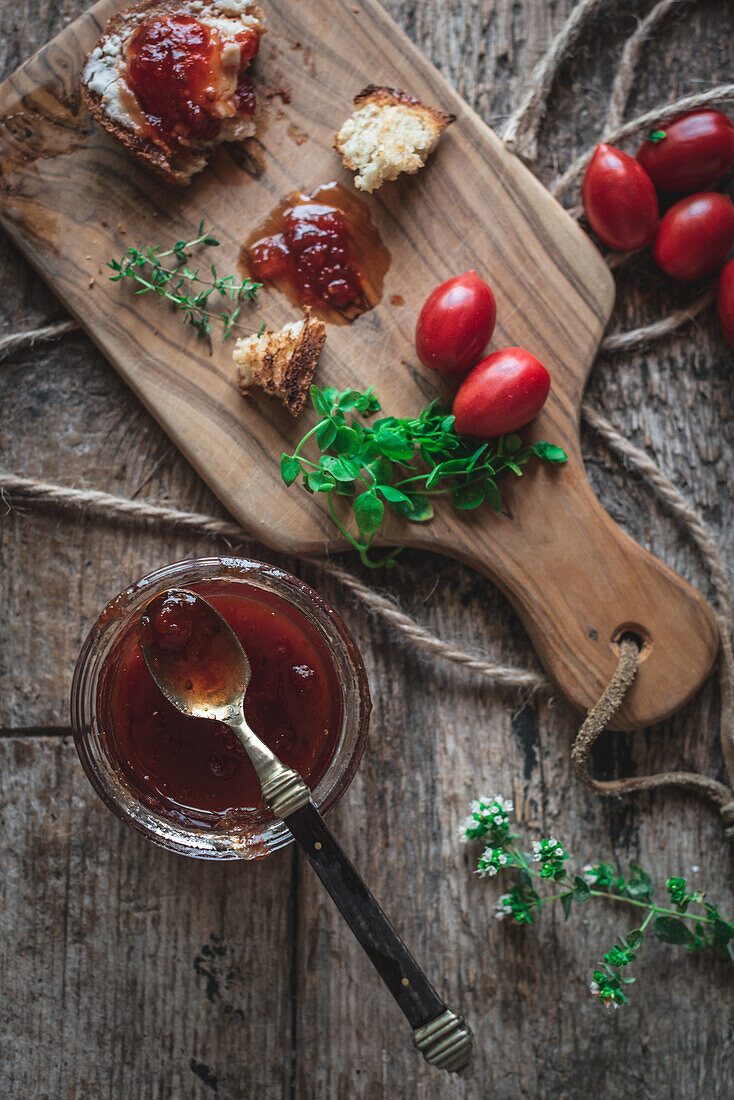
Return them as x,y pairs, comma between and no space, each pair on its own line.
443,1038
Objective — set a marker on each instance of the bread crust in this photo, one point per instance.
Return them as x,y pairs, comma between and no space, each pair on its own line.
384,96
175,169
142,147
389,133
282,364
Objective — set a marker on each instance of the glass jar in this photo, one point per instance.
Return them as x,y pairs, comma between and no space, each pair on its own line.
103,770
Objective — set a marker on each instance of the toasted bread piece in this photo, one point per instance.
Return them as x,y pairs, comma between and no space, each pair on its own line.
389,132
281,363
114,105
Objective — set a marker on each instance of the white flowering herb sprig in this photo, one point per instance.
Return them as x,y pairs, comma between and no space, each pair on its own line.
686,920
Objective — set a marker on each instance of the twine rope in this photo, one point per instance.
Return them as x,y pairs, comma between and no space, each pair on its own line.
721,93
615,342
521,130
19,341
521,136
627,71
95,502
598,719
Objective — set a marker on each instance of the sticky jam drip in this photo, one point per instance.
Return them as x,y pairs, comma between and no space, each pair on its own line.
314,252
323,250
176,72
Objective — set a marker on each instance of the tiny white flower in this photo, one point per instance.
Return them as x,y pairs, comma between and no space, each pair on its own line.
695,868
502,907
589,875
508,806
559,850
492,870
594,989
502,859
498,819
475,806
552,842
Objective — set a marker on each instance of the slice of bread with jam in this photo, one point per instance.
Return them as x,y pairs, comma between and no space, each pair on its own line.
168,79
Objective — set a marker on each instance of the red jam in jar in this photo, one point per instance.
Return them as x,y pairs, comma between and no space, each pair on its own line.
193,770
323,250
176,73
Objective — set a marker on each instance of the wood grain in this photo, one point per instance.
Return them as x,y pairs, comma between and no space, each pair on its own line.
128,895
574,578
438,737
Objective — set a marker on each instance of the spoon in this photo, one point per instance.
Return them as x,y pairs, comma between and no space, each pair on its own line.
198,663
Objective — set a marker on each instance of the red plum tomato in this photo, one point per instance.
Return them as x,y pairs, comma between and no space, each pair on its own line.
695,235
619,200
455,325
690,153
503,393
726,301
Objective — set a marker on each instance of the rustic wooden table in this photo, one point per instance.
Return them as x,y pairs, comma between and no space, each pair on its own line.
129,972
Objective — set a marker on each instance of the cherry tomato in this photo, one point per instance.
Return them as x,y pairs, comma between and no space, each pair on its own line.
689,153
455,325
619,200
695,235
726,301
503,392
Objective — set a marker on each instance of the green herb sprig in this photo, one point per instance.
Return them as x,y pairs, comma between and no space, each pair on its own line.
183,286
401,463
686,919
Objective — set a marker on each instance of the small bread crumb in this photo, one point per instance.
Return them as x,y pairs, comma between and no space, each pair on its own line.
389,132
281,363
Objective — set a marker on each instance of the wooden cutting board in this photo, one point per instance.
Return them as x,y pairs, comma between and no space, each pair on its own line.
71,199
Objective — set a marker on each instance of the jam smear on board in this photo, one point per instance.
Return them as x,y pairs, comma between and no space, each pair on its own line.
175,71
194,770
322,250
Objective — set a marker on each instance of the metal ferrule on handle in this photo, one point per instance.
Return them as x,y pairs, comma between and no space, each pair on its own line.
285,792
283,789
445,1042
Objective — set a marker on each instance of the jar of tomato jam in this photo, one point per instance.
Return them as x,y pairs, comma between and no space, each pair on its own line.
187,783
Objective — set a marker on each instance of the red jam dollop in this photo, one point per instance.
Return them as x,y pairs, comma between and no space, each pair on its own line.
175,71
193,770
323,250
314,252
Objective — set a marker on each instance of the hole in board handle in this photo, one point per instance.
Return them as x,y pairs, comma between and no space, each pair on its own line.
638,634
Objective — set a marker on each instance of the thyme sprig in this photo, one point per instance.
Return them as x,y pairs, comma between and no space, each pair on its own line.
701,929
186,288
401,463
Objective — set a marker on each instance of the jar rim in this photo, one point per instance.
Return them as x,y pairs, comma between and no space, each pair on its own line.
90,738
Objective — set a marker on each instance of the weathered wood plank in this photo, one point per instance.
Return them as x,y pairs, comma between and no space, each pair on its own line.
126,970
436,741
438,736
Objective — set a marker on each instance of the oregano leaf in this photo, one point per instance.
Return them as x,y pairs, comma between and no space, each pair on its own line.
325,434
368,512
549,452
672,930
290,468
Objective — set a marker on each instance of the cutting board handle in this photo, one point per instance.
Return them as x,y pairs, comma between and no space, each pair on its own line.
578,582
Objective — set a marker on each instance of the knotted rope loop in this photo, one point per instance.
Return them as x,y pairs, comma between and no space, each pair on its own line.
598,719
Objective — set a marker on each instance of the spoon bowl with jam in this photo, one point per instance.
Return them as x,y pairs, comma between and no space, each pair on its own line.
185,782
